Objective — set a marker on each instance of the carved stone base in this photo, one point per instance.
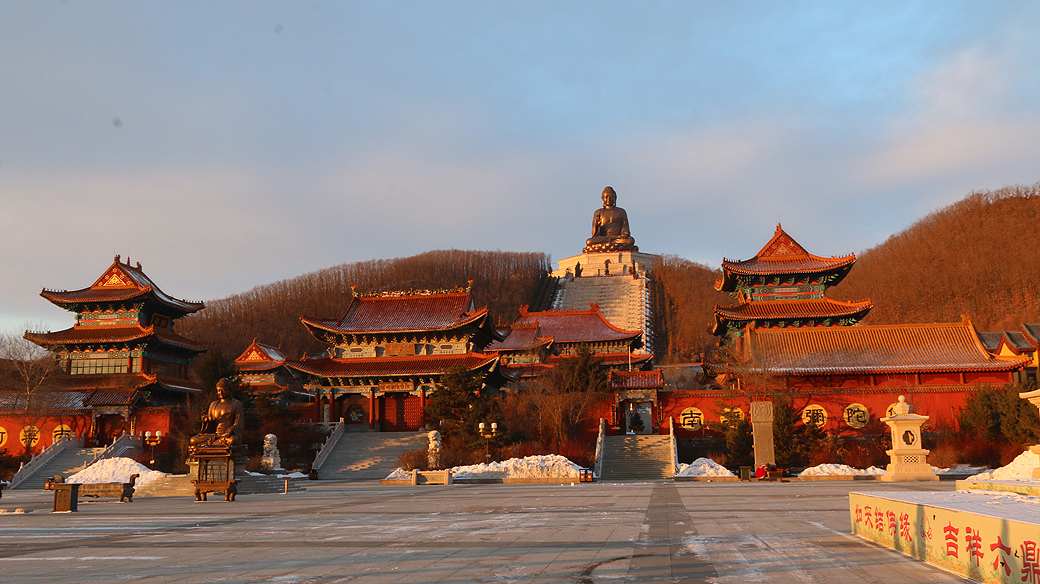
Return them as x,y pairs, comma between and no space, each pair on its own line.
609,247
908,465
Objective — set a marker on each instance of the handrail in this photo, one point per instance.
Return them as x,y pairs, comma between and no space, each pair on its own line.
37,462
598,467
330,443
120,445
675,445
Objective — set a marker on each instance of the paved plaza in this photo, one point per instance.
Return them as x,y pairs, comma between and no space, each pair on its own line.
360,532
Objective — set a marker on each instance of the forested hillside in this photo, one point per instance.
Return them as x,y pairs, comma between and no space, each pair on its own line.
979,257
684,298
271,313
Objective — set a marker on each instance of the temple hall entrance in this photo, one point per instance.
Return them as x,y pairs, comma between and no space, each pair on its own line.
638,418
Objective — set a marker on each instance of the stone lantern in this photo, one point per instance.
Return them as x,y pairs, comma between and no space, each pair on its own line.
909,460
1034,398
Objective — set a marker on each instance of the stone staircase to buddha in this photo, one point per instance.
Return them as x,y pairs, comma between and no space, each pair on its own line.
180,486
636,457
623,300
362,456
67,462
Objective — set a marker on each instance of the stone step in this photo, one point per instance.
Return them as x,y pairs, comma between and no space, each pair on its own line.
636,457
65,463
368,456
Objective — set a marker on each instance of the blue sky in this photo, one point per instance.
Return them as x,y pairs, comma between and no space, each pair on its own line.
230,145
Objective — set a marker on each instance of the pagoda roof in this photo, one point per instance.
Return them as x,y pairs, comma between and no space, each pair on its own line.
1015,341
404,366
51,401
794,309
1031,332
635,380
406,313
259,357
609,359
121,382
121,283
88,335
780,255
521,337
575,326
876,349
81,392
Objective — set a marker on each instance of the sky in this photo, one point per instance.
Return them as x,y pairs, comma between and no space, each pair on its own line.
229,145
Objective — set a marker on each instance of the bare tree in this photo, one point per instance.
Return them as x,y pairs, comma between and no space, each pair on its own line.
26,370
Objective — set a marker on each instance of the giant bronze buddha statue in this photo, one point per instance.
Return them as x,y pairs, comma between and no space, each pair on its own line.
610,230
222,423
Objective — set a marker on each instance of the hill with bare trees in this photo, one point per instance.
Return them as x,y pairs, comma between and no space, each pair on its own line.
977,257
502,281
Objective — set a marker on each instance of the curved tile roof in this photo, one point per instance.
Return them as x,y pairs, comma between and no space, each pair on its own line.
909,348
112,334
574,326
391,366
405,313
259,357
635,380
780,255
520,338
793,309
121,282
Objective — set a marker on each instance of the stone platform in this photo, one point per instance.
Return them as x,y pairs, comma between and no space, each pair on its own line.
987,536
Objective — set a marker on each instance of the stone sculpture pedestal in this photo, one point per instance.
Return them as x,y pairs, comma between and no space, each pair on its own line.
909,460
762,431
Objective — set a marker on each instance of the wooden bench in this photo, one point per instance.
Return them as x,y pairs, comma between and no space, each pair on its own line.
122,491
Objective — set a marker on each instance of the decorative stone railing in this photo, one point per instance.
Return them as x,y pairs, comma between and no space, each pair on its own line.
119,447
36,462
330,443
598,467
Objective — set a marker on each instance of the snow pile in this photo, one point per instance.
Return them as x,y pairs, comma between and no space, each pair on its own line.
399,474
115,470
703,467
550,466
1020,469
840,470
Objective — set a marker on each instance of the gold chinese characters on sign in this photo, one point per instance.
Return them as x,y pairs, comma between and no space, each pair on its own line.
3,436
857,416
29,436
60,431
691,419
814,415
731,416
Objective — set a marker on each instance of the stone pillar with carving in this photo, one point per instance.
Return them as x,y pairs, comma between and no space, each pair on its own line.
762,431
909,460
1034,398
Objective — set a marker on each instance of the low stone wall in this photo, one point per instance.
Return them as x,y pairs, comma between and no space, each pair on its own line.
985,538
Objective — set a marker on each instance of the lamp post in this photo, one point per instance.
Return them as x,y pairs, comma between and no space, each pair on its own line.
153,441
487,434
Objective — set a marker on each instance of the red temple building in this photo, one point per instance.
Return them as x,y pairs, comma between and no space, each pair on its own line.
122,368
536,341
784,285
388,351
261,372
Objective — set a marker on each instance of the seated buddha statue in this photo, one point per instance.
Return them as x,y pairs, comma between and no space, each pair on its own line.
610,227
222,423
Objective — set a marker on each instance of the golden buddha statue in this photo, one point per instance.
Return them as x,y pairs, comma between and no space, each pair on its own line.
222,423
610,230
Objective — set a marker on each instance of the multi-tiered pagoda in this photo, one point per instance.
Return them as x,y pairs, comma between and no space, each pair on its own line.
122,356
784,285
388,351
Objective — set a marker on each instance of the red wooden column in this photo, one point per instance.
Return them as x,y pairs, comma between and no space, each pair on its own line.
371,409
317,406
422,408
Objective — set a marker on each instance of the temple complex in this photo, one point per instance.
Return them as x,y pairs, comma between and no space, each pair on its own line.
121,366
388,351
784,285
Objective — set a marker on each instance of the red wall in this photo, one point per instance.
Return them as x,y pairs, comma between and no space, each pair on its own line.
12,426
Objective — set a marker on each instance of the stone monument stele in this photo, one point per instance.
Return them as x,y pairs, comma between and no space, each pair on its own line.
909,460
1034,398
762,432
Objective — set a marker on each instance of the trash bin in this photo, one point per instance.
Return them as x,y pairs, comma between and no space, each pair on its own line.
66,497
747,473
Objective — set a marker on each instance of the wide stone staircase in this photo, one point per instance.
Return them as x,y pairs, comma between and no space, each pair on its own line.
622,300
636,457
362,456
67,462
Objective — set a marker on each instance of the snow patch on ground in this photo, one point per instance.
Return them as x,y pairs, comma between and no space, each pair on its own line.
1020,469
115,470
840,470
532,467
960,469
703,467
